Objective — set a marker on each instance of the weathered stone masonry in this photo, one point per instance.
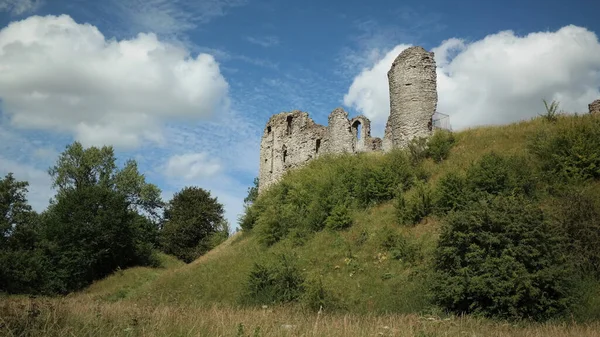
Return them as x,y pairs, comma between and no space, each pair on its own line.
291,139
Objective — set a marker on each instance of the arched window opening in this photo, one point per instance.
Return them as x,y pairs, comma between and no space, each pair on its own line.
284,153
357,129
289,125
318,146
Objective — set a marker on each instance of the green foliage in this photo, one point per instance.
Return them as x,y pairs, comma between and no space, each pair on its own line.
551,114
576,214
436,147
417,150
89,233
497,174
339,218
192,217
439,145
570,149
277,281
412,210
78,167
452,193
316,297
92,227
400,247
307,198
252,192
499,258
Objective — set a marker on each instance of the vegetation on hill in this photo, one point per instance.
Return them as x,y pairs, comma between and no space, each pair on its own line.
500,221
102,219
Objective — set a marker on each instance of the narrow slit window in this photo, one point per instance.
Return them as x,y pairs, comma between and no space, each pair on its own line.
317,146
289,125
284,154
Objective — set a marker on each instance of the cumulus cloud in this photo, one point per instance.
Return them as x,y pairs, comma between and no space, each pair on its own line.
56,74
192,166
499,79
18,7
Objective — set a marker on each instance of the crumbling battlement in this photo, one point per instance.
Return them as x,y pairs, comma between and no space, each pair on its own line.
291,139
595,107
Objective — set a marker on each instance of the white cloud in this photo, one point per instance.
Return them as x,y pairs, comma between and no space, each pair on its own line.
192,166
499,79
263,41
18,7
39,188
369,90
170,17
56,74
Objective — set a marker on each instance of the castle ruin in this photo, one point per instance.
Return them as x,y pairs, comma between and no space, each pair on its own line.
291,139
595,107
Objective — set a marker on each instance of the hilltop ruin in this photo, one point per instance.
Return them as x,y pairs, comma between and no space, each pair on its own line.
291,139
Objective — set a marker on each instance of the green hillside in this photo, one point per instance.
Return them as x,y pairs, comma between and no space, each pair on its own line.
375,266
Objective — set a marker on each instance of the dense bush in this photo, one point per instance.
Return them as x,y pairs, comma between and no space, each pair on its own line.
192,217
277,281
439,145
499,258
569,149
339,218
491,175
400,247
576,212
451,193
411,210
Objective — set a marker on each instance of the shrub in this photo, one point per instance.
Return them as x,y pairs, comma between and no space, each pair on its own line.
412,210
577,214
439,145
401,247
339,218
417,150
499,258
451,193
570,149
316,297
551,114
496,174
278,281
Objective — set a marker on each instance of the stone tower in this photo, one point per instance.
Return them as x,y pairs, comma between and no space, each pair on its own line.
413,96
595,107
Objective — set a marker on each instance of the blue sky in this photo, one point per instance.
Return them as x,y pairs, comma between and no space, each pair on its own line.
188,98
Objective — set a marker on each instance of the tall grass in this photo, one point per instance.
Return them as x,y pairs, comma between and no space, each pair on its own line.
81,317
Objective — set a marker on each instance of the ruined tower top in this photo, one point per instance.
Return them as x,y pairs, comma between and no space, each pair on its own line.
595,107
413,95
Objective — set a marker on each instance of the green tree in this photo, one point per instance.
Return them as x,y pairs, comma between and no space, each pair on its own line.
192,217
89,232
22,265
78,167
252,193
14,209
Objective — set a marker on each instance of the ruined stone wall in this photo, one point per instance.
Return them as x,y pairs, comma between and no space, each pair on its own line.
413,95
291,139
594,107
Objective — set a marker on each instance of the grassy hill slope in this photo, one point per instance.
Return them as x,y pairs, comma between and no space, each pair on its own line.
374,266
